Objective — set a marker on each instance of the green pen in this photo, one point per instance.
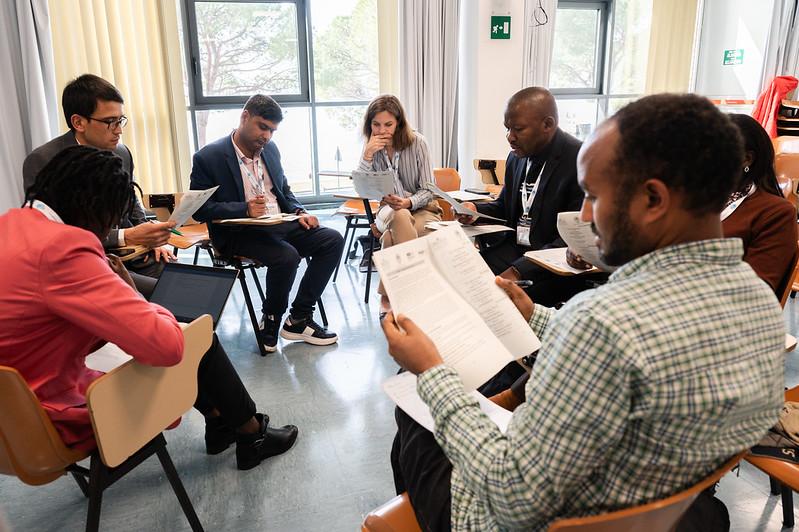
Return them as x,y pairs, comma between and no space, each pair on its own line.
175,232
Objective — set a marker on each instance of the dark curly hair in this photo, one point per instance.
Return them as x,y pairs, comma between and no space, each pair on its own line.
87,187
756,140
81,95
685,142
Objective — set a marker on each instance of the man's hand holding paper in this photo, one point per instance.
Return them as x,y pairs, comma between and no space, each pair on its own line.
409,345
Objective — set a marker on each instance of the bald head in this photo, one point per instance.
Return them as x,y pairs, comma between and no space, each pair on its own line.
531,119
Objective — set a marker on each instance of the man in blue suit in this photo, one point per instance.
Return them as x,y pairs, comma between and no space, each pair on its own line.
246,166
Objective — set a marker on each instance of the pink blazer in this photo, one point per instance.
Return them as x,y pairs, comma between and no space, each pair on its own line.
59,300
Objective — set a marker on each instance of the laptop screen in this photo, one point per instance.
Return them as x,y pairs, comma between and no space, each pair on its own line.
189,291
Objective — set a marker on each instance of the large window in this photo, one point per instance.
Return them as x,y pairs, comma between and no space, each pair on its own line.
317,58
599,59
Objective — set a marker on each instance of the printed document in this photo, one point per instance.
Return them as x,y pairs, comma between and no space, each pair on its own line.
456,206
373,185
443,285
470,230
189,203
402,390
581,239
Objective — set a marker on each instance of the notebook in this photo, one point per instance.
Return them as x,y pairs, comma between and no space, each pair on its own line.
189,291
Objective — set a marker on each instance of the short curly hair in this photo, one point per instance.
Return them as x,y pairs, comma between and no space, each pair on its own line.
684,141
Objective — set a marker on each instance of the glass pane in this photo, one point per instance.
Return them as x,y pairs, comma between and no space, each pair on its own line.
614,104
631,27
248,48
345,49
340,145
575,49
577,117
293,138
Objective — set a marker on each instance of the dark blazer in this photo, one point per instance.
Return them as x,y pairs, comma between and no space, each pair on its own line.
558,191
216,164
42,155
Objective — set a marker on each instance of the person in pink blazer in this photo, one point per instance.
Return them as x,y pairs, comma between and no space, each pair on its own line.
61,298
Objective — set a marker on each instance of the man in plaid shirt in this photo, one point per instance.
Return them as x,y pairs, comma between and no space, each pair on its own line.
643,386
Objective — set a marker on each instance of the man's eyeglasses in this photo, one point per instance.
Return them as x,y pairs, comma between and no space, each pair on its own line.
111,123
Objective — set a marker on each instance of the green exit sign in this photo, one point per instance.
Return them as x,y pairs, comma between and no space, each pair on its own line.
500,27
734,57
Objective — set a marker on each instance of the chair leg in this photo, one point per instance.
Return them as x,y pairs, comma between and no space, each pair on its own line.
774,486
258,284
177,487
787,506
196,254
96,486
251,311
322,312
346,251
369,267
82,484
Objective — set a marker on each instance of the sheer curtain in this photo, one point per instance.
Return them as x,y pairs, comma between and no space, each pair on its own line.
28,91
135,45
429,73
671,46
539,39
782,47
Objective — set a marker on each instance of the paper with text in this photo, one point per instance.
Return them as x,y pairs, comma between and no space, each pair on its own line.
402,390
456,206
580,238
373,185
443,285
469,230
189,203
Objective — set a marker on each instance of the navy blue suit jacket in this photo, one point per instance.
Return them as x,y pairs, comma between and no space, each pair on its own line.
217,164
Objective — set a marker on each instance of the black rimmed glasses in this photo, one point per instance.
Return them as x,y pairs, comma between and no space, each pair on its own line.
112,123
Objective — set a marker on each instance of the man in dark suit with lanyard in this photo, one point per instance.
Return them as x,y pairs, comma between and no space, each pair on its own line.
540,182
246,167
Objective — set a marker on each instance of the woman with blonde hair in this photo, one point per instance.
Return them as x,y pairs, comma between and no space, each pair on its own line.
391,144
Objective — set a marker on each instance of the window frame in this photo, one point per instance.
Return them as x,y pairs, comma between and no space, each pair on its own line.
201,101
603,45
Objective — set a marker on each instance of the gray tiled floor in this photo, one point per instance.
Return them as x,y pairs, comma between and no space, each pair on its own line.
338,469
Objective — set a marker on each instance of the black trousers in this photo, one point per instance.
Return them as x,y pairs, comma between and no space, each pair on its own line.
280,248
421,468
219,387
548,289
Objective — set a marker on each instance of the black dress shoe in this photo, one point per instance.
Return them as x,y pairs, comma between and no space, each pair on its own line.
252,449
219,435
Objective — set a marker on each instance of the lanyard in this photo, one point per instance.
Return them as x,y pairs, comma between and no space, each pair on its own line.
256,182
527,198
729,209
47,211
394,167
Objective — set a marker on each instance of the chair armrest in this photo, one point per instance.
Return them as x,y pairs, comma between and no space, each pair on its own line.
133,403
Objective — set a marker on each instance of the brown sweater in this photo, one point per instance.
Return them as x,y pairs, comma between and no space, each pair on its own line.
767,225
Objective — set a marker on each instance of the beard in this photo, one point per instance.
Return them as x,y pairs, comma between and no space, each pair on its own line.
618,245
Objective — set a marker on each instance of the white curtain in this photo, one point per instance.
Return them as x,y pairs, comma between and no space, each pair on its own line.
429,73
782,47
539,39
28,105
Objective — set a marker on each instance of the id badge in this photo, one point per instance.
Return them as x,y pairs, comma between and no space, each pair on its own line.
523,232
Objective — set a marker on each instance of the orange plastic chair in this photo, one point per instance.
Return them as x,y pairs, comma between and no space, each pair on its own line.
659,516
447,179
783,476
786,166
128,430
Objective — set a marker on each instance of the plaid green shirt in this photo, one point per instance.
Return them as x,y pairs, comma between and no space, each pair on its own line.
641,388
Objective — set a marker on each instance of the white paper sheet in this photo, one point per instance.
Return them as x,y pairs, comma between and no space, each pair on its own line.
469,230
401,389
106,358
580,238
456,206
442,284
373,185
189,203
463,195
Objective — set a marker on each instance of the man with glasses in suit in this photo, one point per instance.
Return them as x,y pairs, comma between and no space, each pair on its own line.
94,112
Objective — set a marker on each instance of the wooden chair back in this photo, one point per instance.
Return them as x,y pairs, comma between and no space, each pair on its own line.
30,447
132,404
657,516
447,179
485,173
786,166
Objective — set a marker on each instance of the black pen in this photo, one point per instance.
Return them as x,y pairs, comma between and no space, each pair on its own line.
524,284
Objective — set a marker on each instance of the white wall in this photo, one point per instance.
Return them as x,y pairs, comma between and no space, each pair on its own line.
729,25
490,72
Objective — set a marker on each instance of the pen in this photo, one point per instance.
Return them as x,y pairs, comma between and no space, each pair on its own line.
173,231
524,284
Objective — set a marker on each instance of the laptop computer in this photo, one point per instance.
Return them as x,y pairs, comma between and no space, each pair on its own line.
189,291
